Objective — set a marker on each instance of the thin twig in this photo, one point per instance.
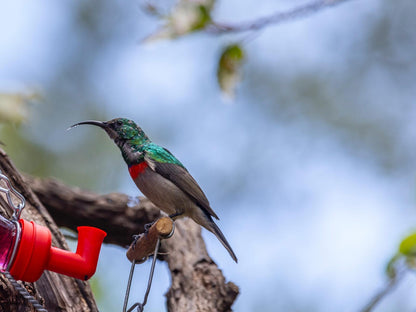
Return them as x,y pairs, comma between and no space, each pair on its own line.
388,288
275,18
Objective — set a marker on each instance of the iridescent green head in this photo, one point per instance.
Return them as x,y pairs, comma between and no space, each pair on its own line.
123,131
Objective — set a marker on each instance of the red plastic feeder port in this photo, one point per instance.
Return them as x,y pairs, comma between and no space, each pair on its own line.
35,253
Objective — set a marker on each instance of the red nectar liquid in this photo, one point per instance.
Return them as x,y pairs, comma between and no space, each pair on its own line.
7,241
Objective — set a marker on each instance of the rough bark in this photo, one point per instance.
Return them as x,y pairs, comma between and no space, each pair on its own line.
197,283
56,292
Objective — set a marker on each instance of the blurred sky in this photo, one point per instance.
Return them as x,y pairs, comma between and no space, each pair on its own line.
311,168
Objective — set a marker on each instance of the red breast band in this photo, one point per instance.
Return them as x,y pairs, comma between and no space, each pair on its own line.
137,169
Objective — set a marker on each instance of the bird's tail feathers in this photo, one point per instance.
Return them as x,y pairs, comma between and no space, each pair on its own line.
217,232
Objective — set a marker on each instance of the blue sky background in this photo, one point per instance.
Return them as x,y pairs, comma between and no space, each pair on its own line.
311,168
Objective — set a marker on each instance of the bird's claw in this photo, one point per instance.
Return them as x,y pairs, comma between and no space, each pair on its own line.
135,239
147,226
137,236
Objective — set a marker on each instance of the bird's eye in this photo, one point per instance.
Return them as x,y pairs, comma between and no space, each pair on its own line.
119,123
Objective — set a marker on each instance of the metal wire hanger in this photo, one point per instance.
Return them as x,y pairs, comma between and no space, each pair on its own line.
140,306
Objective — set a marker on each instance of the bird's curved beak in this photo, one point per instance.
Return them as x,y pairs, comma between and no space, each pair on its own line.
100,124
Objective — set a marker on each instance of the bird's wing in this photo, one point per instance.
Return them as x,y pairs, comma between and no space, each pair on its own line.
178,175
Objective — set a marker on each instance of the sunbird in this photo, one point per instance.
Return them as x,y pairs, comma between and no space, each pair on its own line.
160,176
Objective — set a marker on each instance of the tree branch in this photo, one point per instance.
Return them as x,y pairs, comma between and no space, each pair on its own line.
197,283
275,18
118,214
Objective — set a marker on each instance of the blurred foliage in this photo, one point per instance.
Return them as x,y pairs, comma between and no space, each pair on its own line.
408,245
229,67
406,252
391,267
186,16
99,292
14,107
43,147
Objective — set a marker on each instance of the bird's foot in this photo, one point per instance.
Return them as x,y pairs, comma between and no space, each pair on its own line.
173,216
147,226
135,239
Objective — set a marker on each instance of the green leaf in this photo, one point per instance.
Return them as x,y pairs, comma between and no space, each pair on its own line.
408,245
203,20
229,68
